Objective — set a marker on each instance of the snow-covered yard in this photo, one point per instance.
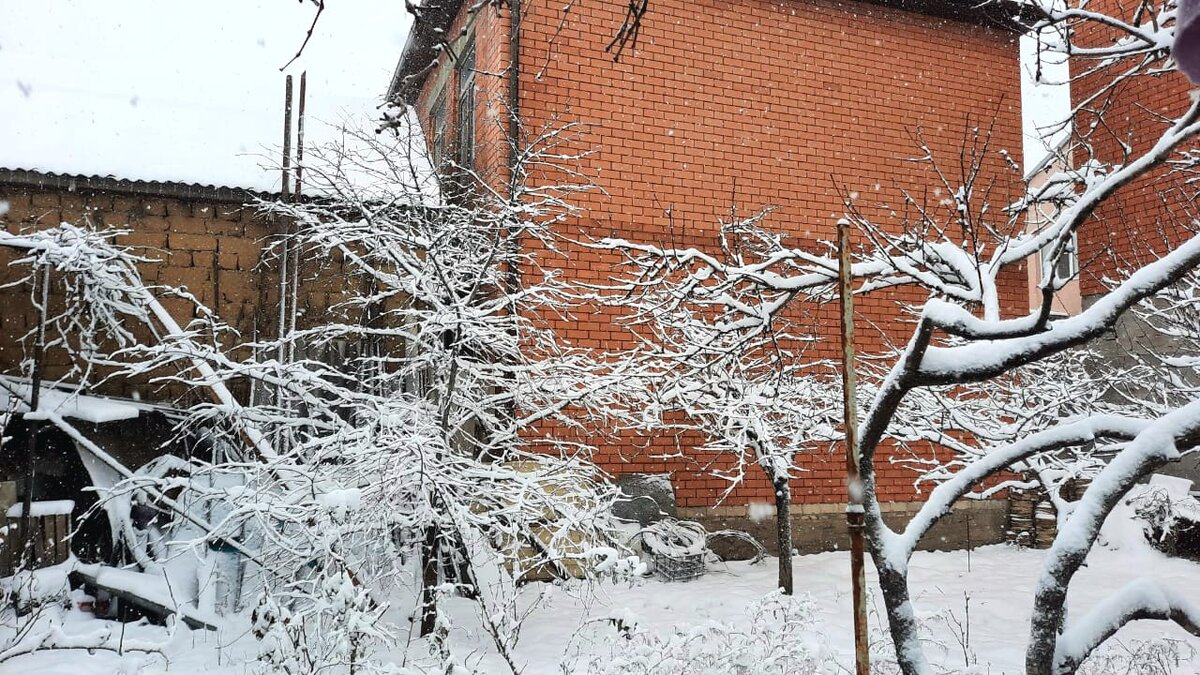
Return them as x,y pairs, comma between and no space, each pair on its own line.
435,400
975,606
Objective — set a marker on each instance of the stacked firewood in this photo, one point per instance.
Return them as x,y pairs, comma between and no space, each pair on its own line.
1022,503
1032,518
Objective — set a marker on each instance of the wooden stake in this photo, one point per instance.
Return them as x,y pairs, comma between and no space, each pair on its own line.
854,486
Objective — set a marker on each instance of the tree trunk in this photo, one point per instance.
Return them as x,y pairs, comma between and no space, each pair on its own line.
1069,552
429,580
893,583
783,531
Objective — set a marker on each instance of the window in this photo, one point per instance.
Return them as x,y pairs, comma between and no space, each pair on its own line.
1068,261
466,107
437,118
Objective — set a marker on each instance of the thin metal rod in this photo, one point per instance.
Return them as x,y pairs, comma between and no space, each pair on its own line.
299,137
282,353
854,486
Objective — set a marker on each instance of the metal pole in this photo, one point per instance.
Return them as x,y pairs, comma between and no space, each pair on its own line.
284,196
854,488
299,137
285,252
296,197
34,427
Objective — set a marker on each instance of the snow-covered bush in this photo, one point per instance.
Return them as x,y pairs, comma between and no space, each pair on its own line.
1168,520
780,636
328,622
29,590
1162,656
427,435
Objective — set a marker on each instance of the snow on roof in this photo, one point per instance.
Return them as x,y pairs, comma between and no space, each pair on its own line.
69,402
183,92
94,409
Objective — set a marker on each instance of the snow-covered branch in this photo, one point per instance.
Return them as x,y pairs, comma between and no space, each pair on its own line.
1141,599
942,498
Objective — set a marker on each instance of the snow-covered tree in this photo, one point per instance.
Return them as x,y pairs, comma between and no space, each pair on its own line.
956,248
453,423
745,387
428,432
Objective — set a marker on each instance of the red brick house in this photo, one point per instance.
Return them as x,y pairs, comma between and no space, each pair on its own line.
1147,218
1143,219
717,104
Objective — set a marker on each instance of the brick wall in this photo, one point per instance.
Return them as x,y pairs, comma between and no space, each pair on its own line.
1149,217
1145,219
213,248
488,28
754,104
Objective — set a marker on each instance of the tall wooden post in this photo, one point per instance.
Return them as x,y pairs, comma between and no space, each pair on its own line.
854,487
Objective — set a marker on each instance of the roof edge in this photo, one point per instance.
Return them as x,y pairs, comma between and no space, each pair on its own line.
1009,15
435,17
420,54
146,188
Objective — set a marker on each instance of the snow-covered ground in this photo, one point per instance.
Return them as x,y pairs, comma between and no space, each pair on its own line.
988,589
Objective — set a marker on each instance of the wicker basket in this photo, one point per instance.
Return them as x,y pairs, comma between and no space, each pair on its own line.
678,568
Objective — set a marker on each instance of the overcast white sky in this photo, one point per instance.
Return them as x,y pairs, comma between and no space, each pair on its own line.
180,90
191,91
1042,104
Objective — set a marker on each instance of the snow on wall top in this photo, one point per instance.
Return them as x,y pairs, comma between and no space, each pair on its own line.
183,92
66,401
94,409
62,507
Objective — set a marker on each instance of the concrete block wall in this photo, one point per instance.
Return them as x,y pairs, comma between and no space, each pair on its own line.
217,250
822,527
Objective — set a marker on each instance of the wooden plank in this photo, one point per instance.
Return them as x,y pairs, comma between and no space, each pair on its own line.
43,529
54,534
39,542
51,542
64,542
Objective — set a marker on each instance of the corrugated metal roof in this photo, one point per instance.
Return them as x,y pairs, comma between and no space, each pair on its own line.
72,183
